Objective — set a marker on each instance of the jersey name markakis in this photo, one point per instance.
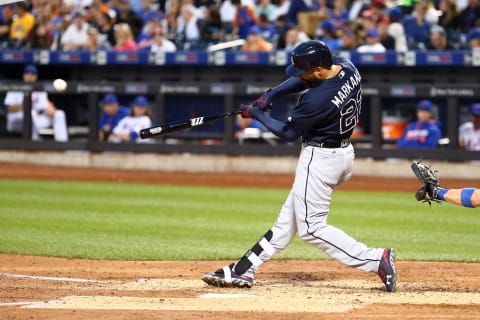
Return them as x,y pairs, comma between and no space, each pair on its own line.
346,89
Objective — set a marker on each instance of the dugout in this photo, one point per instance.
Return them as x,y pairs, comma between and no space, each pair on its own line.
186,84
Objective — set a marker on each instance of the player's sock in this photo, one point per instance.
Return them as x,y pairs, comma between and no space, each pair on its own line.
261,252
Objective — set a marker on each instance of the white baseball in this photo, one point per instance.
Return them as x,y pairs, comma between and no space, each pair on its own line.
59,85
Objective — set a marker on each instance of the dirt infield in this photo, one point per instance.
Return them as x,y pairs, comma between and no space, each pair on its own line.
56,288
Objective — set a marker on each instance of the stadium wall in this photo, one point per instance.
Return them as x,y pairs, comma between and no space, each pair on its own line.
198,163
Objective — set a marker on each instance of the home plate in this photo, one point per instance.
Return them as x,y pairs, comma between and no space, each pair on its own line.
226,295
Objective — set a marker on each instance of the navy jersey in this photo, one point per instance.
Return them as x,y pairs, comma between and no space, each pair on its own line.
329,110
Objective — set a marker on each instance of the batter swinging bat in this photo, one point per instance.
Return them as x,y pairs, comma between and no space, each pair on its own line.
183,124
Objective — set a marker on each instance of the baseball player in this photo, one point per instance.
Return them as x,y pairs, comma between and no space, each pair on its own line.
112,113
469,132
431,191
423,133
44,114
128,128
325,116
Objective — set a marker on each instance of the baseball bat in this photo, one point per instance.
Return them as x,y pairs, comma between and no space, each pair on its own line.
183,124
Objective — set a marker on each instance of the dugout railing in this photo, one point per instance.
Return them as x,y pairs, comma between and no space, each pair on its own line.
451,80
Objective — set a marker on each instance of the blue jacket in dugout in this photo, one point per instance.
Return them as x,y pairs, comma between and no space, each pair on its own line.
423,133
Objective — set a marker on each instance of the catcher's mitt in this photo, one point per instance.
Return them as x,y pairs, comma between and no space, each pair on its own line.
429,178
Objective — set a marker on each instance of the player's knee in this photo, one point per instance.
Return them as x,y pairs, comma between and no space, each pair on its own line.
59,114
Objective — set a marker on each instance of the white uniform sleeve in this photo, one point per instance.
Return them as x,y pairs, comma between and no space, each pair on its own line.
13,98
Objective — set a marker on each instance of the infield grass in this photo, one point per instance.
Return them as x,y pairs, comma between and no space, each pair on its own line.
122,221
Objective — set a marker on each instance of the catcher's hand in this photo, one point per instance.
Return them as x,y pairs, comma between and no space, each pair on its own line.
428,177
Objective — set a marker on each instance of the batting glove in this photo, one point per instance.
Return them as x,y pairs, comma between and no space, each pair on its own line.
246,110
263,103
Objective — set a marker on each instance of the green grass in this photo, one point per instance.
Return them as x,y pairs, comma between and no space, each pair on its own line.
153,222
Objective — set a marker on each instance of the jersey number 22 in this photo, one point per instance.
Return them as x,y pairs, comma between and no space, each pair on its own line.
349,115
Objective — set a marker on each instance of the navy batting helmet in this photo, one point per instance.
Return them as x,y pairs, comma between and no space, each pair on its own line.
308,55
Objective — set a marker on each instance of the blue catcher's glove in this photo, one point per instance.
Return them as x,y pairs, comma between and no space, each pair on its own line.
263,103
246,110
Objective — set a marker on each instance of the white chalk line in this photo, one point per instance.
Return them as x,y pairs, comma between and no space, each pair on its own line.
19,303
226,295
44,278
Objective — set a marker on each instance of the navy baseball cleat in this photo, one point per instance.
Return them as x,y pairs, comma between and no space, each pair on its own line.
386,269
226,278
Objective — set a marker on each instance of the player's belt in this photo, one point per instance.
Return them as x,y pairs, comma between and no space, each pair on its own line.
328,144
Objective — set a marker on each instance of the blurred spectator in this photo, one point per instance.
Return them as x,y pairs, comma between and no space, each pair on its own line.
40,37
432,13
473,38
469,16
267,29
23,22
212,30
292,38
438,39
280,9
378,15
280,31
264,7
160,42
149,11
188,32
469,132
97,41
244,19
385,38
79,5
44,113
145,38
76,35
227,13
372,43
350,40
124,40
136,5
111,116
60,22
339,14
106,24
423,133
449,19
255,42
417,28
311,7
366,20
7,19
396,30
126,15
128,129
59,30
329,36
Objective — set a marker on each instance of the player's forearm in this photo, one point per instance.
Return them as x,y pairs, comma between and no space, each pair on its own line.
279,128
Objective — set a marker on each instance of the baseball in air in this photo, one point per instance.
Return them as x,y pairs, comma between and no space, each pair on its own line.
59,85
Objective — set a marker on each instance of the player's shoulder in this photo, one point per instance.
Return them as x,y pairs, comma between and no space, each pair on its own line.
344,62
466,126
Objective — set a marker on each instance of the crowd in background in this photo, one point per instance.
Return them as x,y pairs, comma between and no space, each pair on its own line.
264,25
